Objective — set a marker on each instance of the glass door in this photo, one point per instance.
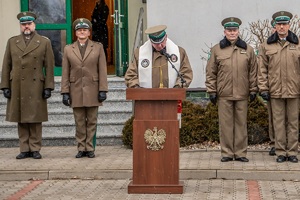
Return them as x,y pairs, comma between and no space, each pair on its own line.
121,36
53,21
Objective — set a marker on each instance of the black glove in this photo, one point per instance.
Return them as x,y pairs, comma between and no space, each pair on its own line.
252,97
6,93
265,96
66,99
46,93
101,96
213,98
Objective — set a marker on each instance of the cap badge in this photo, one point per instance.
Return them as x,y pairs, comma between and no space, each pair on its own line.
231,19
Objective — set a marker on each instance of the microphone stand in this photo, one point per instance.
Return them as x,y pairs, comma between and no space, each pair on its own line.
178,74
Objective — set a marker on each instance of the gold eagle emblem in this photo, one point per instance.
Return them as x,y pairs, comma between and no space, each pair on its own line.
155,139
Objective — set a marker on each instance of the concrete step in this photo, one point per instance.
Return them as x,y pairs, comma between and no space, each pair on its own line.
60,129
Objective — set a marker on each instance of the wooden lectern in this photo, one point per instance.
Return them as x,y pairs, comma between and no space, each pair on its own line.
155,140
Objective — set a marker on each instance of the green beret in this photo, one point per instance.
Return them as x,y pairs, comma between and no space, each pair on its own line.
82,23
156,33
231,22
282,17
26,17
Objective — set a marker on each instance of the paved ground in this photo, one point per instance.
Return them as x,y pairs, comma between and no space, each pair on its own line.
59,175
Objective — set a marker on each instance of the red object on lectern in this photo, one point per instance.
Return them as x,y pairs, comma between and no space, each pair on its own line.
155,140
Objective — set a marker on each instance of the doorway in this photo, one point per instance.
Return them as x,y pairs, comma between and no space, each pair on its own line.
84,9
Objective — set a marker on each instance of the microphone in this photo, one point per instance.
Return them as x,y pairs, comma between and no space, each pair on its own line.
173,58
163,52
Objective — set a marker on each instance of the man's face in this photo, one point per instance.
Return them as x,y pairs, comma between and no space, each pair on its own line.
231,34
83,33
282,29
27,28
161,45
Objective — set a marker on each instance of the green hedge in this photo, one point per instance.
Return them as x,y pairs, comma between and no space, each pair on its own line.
200,123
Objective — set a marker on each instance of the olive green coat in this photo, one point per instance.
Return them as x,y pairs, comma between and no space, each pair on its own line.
22,72
83,78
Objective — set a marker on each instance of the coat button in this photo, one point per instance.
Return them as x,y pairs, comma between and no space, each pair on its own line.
23,78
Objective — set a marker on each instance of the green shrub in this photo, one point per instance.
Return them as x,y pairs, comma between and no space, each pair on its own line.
258,122
127,132
200,123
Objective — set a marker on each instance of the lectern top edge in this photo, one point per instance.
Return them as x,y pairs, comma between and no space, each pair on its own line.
155,93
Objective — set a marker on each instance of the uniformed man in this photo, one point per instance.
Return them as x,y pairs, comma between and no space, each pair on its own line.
150,67
271,127
84,84
278,82
27,81
231,74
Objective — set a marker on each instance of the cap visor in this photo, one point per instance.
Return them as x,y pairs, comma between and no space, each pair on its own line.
282,22
26,22
157,41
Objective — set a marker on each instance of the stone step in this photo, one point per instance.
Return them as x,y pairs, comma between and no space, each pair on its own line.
65,129
67,115
58,106
60,129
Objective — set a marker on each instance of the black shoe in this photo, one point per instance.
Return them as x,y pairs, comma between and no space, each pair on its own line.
90,154
226,159
23,155
242,159
281,159
272,152
36,155
293,159
80,154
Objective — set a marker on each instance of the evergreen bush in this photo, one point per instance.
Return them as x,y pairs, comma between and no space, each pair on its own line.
200,124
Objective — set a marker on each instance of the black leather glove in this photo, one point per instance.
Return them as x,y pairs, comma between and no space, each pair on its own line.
101,96
66,99
213,98
46,93
265,96
6,93
252,97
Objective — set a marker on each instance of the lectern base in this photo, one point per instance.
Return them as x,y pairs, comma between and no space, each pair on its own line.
155,189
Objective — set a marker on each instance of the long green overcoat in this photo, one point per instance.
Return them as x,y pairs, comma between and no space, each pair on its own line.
27,71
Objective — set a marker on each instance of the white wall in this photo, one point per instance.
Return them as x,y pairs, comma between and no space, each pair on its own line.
10,24
133,15
194,23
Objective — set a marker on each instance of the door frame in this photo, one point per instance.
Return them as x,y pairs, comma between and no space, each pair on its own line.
121,55
121,48
64,26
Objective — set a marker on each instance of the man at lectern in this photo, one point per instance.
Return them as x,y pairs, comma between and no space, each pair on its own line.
159,63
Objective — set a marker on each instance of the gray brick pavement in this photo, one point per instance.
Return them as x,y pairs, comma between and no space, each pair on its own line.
115,162
214,189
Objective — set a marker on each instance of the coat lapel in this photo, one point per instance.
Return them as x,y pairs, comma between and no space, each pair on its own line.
33,44
88,50
76,50
20,43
